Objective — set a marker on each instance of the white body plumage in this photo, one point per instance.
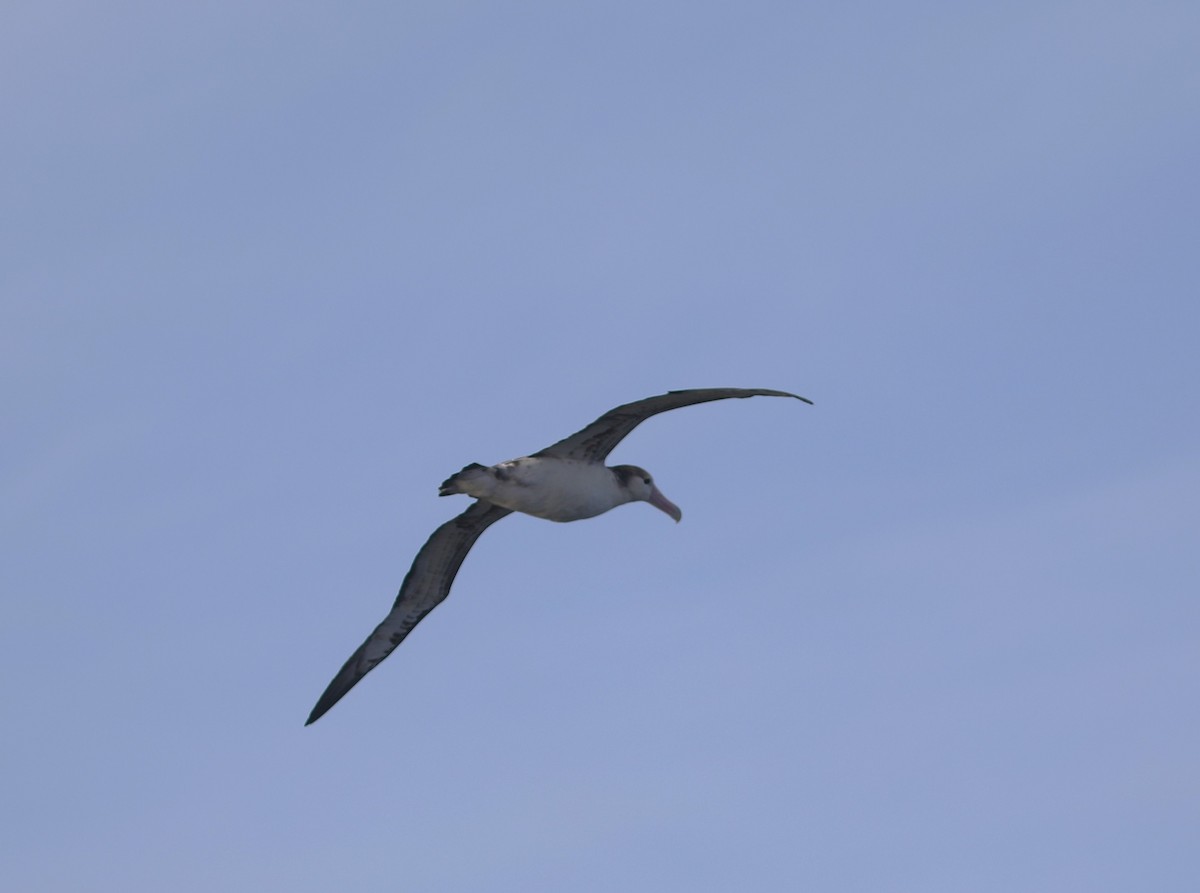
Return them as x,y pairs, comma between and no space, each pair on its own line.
547,487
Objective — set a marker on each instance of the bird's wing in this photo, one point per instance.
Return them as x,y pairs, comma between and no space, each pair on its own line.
425,587
597,440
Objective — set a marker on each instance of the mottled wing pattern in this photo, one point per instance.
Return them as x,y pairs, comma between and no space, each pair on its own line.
599,438
425,587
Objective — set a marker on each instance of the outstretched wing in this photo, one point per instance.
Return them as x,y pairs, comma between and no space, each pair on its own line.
597,440
425,587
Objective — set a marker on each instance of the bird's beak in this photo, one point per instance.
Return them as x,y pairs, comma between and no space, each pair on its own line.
661,503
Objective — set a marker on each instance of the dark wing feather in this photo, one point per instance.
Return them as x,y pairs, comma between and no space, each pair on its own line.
425,587
597,440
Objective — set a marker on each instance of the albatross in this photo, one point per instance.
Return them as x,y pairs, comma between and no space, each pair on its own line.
567,481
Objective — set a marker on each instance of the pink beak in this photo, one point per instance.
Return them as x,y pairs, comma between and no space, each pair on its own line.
663,504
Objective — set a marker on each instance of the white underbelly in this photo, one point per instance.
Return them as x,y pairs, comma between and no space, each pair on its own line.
554,489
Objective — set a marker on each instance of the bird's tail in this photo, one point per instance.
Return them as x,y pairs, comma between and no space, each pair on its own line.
454,483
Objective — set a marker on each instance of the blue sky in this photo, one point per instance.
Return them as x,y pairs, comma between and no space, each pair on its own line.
272,271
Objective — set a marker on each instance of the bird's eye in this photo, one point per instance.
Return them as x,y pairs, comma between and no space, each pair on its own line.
647,481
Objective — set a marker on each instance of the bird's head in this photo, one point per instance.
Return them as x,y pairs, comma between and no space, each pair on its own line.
641,488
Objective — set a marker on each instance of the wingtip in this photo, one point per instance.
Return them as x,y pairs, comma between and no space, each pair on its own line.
767,392
321,708
770,393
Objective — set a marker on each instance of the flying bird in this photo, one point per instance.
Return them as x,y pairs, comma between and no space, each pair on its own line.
567,481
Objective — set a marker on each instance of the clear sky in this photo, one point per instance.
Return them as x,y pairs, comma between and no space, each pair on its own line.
270,271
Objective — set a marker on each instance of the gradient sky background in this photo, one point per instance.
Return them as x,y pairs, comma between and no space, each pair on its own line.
271,271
